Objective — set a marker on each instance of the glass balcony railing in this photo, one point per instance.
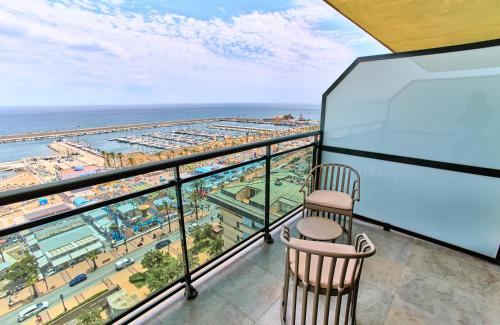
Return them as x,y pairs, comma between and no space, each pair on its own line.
103,260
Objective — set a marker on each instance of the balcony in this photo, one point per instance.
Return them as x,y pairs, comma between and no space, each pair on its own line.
408,281
420,127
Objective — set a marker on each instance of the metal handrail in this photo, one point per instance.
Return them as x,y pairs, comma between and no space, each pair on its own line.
36,191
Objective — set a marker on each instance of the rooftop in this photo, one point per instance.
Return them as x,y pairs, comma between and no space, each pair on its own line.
74,237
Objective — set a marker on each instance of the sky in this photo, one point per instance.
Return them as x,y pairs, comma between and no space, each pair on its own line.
114,52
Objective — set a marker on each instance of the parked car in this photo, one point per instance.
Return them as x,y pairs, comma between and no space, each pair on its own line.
163,243
123,263
77,279
192,225
32,310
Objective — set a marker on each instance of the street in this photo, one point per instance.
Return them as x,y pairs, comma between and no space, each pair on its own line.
97,276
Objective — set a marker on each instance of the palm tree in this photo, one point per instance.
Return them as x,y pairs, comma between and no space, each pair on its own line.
131,161
25,270
112,156
195,196
105,156
92,256
120,157
167,207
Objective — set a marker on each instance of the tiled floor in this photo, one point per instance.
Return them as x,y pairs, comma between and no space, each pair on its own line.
408,281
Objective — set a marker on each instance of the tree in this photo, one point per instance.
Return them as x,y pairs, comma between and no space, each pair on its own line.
113,158
162,269
165,206
92,256
131,161
193,259
207,232
120,158
216,246
153,258
91,317
105,155
197,234
24,270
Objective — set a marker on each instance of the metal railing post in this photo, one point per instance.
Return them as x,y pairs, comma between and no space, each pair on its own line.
315,151
267,236
318,143
189,291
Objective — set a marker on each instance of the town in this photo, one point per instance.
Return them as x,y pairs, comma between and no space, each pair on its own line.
120,252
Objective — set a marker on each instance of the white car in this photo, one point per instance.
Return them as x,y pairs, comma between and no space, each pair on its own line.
192,225
123,263
32,310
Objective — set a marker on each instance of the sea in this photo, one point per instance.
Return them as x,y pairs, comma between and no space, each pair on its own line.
19,120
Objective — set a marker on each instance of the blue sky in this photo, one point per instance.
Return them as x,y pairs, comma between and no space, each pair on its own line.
86,52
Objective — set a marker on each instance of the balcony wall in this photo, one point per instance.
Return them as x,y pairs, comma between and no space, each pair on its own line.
423,131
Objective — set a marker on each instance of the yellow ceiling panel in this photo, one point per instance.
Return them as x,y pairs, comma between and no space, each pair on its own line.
406,25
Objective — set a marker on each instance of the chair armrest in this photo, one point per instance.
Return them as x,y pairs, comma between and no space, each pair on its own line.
304,189
355,191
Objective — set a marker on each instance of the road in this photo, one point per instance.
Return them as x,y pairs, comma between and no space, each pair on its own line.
95,277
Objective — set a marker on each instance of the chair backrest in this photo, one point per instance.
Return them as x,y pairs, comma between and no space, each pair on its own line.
354,258
336,177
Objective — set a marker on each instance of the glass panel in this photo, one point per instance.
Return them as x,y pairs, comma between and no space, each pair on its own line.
443,107
111,258
457,208
222,210
206,166
283,146
25,211
288,173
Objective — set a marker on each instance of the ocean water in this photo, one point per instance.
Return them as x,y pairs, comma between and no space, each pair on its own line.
37,119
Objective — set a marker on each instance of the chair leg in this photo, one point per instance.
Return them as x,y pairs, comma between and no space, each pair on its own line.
337,308
294,299
350,229
354,303
347,307
284,298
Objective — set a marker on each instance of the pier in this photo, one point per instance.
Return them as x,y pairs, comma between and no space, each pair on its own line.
240,128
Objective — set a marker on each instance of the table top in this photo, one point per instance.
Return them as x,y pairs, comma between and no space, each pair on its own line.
319,228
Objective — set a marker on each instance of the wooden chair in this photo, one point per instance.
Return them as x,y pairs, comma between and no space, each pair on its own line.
325,269
332,189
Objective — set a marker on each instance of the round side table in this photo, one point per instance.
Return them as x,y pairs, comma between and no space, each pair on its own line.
319,228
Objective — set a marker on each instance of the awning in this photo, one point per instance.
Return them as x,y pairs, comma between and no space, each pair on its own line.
61,260
406,25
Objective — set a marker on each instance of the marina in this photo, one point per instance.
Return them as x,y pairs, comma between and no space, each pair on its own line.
44,135
99,130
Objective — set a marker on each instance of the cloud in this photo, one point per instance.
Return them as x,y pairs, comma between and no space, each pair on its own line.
83,52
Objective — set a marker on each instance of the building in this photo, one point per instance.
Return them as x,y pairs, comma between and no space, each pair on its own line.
46,211
60,245
127,210
80,201
242,204
77,171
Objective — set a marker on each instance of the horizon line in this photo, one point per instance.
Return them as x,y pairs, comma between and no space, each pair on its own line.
158,104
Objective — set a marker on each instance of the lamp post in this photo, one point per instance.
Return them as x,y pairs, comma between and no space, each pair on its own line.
62,299
125,237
